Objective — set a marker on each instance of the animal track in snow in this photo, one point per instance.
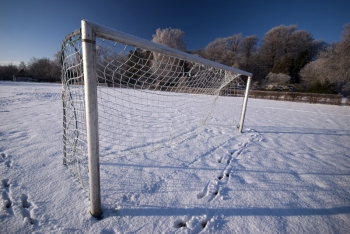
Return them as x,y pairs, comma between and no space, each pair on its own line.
213,187
5,183
194,225
6,200
5,159
8,163
200,195
204,192
23,209
25,203
180,224
20,206
210,191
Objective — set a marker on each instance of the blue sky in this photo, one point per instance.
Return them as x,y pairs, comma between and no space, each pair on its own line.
36,28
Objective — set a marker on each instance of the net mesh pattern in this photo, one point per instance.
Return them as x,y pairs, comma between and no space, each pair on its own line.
147,101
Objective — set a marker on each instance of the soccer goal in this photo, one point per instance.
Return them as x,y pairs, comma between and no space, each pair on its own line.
124,95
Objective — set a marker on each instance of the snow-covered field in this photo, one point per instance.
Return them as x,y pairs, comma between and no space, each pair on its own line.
289,172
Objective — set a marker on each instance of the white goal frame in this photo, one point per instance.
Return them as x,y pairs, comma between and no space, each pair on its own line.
89,32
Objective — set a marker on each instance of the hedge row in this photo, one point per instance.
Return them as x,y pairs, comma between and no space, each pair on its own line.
332,99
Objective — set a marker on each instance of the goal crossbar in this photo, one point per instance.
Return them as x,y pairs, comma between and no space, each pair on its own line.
115,35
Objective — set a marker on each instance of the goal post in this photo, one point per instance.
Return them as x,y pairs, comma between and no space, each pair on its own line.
90,83
244,106
125,95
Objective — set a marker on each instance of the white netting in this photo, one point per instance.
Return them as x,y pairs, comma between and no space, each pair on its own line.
147,101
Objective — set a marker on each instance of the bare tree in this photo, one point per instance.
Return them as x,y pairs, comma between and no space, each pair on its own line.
57,58
44,68
22,66
7,71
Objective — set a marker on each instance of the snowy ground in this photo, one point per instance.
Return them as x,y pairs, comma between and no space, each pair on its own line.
289,172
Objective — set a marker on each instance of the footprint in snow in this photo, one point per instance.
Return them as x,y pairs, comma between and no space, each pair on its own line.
24,210
6,200
195,224
8,163
25,203
180,224
5,183
22,207
5,159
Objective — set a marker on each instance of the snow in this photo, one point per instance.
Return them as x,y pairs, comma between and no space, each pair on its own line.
289,172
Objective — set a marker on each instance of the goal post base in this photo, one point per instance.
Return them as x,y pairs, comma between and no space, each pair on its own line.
97,215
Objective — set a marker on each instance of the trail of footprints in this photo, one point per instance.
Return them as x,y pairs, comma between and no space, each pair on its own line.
212,189
11,203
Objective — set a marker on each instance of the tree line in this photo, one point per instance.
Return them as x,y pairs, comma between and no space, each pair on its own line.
43,69
286,57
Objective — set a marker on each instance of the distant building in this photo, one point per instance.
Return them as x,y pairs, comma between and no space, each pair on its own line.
24,76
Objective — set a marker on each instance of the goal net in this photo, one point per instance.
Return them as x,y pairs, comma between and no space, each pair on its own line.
148,97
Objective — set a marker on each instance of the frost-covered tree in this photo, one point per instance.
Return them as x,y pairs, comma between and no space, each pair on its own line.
332,65
224,50
173,38
234,50
283,46
273,47
339,57
314,72
217,51
277,79
168,69
248,48
136,69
